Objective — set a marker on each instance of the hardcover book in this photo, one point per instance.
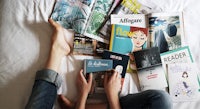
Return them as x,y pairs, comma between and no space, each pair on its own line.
149,69
166,31
183,85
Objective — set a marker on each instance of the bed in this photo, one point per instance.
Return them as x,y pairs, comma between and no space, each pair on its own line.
25,38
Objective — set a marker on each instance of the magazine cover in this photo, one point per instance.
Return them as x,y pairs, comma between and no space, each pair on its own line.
97,65
126,39
86,46
180,55
125,7
98,15
183,85
149,69
73,14
166,31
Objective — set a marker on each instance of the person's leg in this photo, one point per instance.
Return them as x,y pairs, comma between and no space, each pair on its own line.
150,99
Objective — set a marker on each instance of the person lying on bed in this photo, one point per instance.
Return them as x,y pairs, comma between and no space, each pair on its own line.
48,80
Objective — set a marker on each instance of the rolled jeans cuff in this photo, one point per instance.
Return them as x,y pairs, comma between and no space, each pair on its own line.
49,76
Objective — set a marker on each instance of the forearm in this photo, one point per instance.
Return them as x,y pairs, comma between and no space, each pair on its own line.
114,102
54,60
81,102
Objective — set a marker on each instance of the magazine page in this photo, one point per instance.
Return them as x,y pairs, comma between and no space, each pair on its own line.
73,14
98,15
166,31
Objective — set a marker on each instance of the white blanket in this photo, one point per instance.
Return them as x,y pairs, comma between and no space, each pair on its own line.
25,37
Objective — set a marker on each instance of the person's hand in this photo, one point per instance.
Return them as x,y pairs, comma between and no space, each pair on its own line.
112,87
59,42
65,103
83,85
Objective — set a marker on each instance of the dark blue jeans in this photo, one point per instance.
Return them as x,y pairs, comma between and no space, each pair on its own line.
150,99
44,91
44,94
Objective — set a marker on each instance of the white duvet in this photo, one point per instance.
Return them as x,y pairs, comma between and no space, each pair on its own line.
25,37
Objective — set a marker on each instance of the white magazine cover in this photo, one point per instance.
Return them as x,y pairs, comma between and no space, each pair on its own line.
183,82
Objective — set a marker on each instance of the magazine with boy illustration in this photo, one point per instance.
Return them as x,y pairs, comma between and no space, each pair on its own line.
166,31
149,69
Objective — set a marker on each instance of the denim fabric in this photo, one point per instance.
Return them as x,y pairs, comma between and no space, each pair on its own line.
150,99
44,91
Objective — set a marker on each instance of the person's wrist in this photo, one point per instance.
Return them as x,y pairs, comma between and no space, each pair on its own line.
54,60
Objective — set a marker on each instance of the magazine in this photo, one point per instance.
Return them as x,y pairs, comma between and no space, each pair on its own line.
166,31
125,7
149,69
183,82
98,15
87,46
73,14
180,55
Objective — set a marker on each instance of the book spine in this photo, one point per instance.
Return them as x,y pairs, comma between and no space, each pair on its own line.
112,37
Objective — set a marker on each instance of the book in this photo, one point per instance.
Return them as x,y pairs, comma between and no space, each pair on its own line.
83,45
97,65
127,38
149,69
179,55
166,30
124,7
73,14
120,61
183,85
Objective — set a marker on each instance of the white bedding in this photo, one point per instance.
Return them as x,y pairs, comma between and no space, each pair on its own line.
25,43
